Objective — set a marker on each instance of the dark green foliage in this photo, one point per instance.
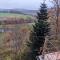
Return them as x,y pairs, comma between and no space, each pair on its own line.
40,31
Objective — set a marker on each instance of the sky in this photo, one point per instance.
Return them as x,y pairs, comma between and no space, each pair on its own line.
22,4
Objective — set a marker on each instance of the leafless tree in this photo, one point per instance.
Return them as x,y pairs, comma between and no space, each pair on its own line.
54,14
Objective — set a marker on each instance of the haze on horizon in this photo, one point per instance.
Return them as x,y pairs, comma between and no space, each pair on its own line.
22,4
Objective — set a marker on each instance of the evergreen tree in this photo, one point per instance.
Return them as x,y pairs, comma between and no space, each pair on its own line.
40,31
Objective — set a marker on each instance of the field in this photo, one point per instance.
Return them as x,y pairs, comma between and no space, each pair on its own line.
15,15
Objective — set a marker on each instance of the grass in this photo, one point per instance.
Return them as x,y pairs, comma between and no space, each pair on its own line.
15,15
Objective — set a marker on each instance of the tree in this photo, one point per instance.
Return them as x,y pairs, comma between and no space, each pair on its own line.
39,32
54,42
55,16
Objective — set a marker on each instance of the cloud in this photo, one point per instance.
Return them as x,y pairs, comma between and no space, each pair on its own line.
24,4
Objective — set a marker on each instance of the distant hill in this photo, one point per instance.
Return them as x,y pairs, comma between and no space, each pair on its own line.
19,11
30,12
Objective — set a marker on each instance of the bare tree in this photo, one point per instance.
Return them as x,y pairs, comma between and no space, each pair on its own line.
53,44
56,8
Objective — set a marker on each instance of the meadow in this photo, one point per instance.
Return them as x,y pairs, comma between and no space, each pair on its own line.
12,15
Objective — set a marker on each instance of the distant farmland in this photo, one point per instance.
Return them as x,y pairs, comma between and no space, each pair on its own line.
15,15
12,18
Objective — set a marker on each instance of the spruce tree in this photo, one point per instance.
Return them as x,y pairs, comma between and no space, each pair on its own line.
39,32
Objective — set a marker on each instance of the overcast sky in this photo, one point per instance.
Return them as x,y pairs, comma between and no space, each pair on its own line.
22,4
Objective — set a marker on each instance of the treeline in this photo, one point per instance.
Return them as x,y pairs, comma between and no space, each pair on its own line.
11,11
16,21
